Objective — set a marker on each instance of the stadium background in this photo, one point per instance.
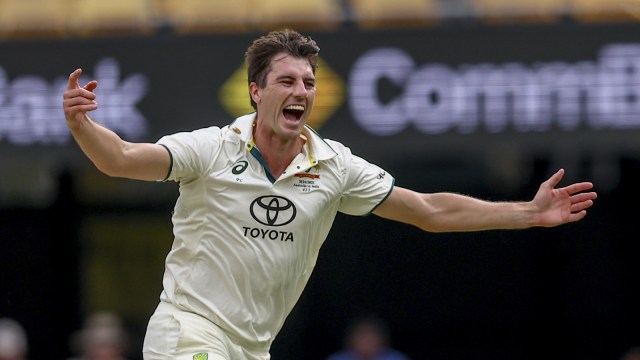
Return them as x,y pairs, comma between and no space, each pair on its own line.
75,242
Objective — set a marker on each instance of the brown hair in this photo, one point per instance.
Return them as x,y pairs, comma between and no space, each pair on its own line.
260,53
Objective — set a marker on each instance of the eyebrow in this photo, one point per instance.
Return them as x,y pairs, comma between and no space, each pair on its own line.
289,77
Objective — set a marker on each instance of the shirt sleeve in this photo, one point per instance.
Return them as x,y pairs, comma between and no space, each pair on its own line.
191,153
366,187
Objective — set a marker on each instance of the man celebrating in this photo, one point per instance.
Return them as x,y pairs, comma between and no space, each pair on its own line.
258,198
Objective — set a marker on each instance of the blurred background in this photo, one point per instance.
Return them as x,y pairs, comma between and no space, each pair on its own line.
482,97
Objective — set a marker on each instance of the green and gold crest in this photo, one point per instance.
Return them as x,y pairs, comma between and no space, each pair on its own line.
201,356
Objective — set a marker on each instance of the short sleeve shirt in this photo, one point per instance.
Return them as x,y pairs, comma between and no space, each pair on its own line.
245,243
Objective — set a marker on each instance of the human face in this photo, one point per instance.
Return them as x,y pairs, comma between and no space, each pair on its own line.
285,103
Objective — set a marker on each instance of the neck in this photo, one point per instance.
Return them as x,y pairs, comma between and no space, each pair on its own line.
276,151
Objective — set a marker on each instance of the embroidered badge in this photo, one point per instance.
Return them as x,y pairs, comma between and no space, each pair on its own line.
201,356
307,181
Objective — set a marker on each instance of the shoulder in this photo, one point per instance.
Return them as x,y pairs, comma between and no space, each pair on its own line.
340,155
337,146
204,140
208,133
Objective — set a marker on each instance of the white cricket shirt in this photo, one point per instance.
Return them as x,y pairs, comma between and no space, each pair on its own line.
245,244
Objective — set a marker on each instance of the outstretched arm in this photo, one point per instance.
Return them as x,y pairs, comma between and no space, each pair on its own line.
110,153
447,212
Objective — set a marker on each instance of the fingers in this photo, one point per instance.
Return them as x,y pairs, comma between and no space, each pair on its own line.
581,197
75,95
581,202
79,97
79,104
91,85
74,84
577,216
77,100
554,179
577,207
577,187
73,79
572,189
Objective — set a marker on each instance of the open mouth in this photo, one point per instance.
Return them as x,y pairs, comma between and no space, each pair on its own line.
293,112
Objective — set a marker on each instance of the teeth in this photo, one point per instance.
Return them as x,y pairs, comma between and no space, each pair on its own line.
295,107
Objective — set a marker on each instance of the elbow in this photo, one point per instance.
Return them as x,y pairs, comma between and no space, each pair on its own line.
107,170
433,228
427,224
110,169
439,222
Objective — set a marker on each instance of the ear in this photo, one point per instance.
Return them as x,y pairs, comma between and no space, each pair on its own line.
254,91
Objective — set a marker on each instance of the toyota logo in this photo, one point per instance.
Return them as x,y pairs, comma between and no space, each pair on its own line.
273,210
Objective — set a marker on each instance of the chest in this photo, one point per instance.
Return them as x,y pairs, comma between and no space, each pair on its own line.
240,185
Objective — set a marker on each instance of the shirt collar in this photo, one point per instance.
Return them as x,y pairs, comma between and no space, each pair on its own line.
316,148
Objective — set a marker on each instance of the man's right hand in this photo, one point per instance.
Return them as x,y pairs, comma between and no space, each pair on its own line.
77,100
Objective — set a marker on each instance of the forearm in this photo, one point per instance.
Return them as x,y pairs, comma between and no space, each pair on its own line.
101,145
447,212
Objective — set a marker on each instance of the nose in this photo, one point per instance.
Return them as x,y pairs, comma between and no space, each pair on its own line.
299,89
